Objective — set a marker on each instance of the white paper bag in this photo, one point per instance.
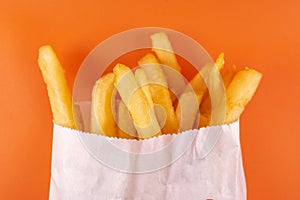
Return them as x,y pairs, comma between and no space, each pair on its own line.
77,174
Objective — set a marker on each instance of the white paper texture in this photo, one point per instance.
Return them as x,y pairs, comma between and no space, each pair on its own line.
76,174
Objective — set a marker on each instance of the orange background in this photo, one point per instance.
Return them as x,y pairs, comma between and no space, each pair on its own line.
259,34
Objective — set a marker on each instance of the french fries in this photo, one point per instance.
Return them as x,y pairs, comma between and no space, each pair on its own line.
102,119
126,128
164,51
187,110
240,92
146,107
160,113
199,87
142,114
188,104
166,56
57,87
160,93
220,61
205,106
198,84
217,93
142,80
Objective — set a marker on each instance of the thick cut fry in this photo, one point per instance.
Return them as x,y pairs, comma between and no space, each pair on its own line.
214,83
205,107
217,93
199,87
187,110
164,51
240,92
155,74
78,117
220,61
126,127
142,80
205,112
58,90
166,56
160,93
143,116
102,117
211,74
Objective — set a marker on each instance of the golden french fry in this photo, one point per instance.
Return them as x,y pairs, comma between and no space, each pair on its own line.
217,94
78,117
58,90
199,85
205,111
151,67
166,56
160,93
160,113
143,115
187,109
164,51
240,91
220,61
142,80
211,76
205,104
187,103
126,127
102,117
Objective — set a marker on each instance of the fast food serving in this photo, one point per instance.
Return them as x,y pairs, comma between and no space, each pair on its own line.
143,132
146,104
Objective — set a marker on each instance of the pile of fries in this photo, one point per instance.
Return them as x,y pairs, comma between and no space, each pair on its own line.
153,99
